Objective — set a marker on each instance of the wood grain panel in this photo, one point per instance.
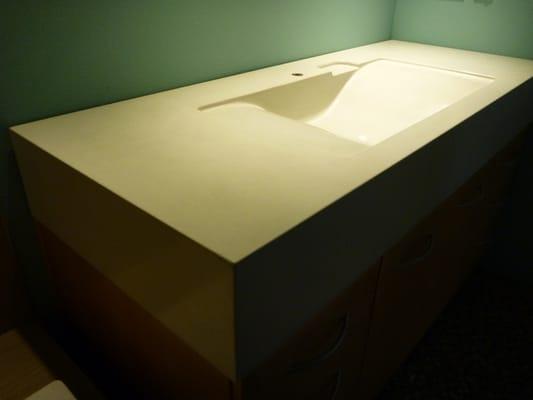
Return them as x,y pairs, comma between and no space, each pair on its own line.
153,359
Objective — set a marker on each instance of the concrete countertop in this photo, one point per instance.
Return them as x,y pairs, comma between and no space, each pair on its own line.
233,182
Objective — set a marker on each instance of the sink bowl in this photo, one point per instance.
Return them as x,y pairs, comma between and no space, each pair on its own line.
367,103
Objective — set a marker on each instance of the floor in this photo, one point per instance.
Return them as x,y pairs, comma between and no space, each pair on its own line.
481,346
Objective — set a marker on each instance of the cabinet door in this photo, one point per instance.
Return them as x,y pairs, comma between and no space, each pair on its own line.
423,271
406,300
475,207
322,361
501,170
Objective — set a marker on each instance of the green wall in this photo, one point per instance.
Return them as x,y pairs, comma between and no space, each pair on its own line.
492,26
59,56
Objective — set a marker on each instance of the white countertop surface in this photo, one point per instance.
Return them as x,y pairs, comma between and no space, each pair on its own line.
235,181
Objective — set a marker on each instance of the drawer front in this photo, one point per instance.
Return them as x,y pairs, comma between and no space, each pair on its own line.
472,212
465,214
424,270
322,361
418,278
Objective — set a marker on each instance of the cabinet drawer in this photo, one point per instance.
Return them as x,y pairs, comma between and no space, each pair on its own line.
466,215
500,173
422,272
317,345
496,177
324,359
418,278
472,212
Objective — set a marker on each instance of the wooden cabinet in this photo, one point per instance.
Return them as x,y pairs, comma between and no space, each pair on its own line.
347,351
323,361
422,272
354,345
124,333
418,277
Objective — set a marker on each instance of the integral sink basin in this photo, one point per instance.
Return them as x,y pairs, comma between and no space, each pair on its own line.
365,103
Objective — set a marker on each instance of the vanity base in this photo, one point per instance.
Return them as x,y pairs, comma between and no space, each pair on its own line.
156,362
349,350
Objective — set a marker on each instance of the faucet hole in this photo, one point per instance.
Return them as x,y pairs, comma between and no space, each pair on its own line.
297,74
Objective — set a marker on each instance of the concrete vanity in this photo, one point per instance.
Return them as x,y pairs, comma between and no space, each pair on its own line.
234,210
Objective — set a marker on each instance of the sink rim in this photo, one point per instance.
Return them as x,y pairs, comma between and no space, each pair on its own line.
316,100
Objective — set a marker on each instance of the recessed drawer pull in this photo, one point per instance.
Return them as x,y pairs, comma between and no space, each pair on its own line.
428,249
328,353
478,198
337,387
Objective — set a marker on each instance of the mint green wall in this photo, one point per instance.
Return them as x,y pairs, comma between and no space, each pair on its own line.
58,56
61,56
492,26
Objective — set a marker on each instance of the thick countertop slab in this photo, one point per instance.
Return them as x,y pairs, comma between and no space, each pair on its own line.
233,182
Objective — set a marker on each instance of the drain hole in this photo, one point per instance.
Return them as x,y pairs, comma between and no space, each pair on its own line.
297,74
